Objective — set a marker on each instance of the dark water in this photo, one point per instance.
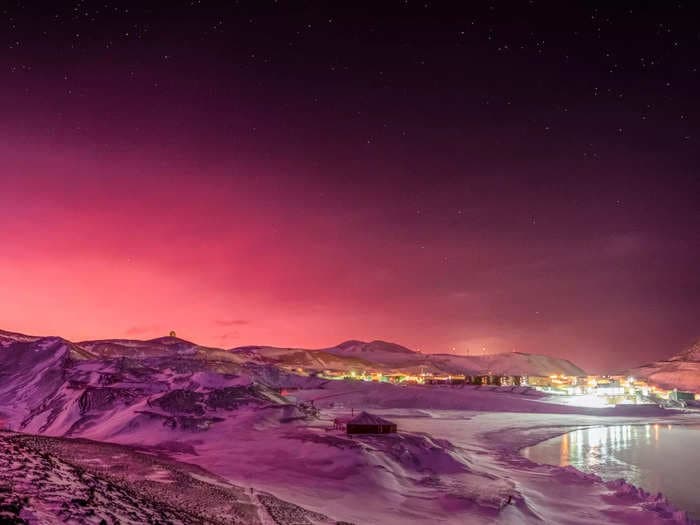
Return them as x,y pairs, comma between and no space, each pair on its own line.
658,458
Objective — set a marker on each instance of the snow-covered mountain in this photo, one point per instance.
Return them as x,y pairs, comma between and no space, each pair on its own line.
13,337
387,357
390,356
681,371
104,388
378,353
301,358
510,363
135,348
52,386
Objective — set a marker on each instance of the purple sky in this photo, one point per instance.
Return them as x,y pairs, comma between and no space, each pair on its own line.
509,176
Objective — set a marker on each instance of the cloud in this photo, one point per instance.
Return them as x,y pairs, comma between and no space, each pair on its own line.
233,322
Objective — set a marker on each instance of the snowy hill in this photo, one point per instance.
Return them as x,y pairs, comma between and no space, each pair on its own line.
387,357
378,353
7,338
52,386
392,356
300,357
58,481
511,363
692,354
32,369
135,348
121,389
346,356
681,371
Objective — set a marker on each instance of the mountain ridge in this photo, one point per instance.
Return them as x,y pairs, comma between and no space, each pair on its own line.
681,371
375,355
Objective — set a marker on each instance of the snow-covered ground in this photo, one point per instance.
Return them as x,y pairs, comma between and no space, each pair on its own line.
545,493
455,459
455,465
53,481
491,427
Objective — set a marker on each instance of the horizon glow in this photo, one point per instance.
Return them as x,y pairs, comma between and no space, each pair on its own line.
374,190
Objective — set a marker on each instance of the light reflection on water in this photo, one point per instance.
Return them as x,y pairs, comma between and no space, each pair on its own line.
660,458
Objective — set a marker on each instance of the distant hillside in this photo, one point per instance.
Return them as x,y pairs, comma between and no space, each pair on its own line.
136,348
347,356
301,358
513,363
388,357
681,371
378,353
11,337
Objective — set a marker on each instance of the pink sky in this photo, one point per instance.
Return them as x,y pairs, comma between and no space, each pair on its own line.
298,177
94,247
230,251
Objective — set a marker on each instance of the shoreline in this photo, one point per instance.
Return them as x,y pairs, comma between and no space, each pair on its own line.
502,446
585,427
618,481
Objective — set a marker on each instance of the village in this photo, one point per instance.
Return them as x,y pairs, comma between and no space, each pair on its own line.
590,390
583,391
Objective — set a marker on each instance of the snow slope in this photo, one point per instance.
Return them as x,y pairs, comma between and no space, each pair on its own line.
32,370
510,363
52,481
393,356
302,358
379,353
681,371
390,357
135,348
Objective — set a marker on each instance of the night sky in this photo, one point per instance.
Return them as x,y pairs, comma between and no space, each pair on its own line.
506,176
